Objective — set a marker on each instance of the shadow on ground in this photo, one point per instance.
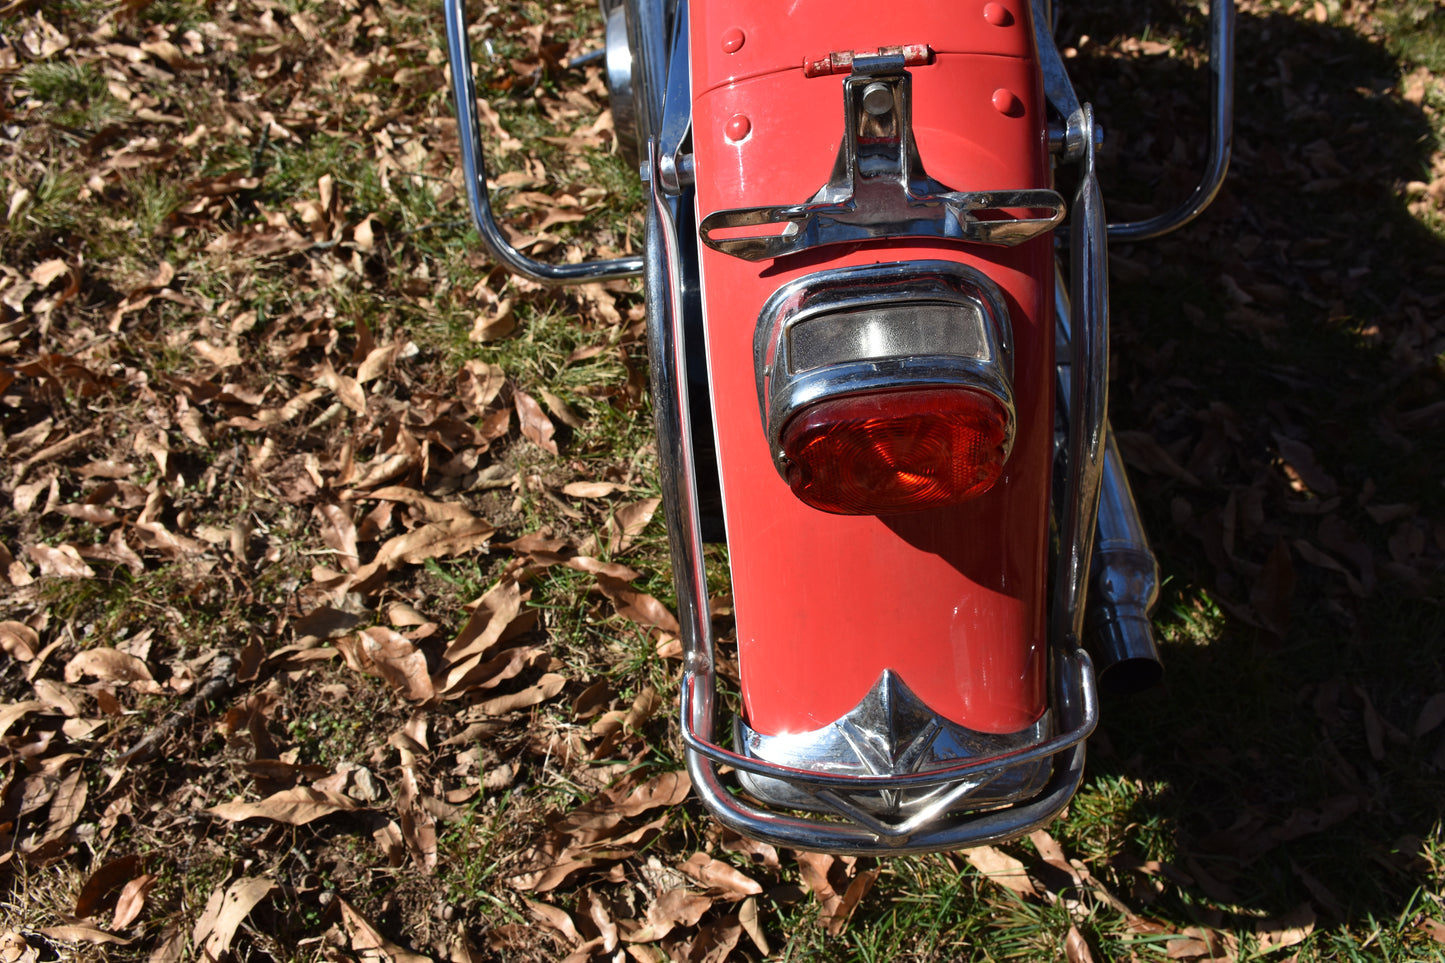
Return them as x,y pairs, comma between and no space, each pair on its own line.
1278,390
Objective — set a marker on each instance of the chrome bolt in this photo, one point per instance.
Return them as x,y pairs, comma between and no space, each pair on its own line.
878,99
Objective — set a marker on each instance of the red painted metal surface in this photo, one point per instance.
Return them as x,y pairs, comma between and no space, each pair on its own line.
734,41
951,599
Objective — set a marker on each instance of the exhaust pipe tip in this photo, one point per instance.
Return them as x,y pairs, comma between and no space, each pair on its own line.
1126,658
1126,585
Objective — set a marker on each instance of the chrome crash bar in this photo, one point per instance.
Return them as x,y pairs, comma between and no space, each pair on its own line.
1067,138
1221,135
469,133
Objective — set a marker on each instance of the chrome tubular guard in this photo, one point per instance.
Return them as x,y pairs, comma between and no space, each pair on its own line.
850,828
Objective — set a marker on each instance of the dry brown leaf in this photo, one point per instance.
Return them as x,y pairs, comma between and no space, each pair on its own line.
1288,930
405,615
419,829
638,606
815,868
19,640
57,695
1434,928
1076,948
1431,714
593,489
398,661
1186,948
547,687
536,426
224,913
13,571
716,874
376,362
15,949
218,357
364,234
170,946
429,508
109,665
506,143
495,323
443,539
371,944
491,615
556,918
565,413
59,561
101,882
1141,451
715,941
82,933
15,711
295,807
508,664
748,917
338,531
46,271
586,563
1054,855
66,808
345,388
479,383
325,622
674,908
1001,868
668,789
838,919
1273,590
629,521
132,900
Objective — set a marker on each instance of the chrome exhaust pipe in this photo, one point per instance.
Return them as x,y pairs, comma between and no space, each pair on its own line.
1123,574
1125,585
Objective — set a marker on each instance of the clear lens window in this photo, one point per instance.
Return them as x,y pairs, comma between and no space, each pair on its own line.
954,329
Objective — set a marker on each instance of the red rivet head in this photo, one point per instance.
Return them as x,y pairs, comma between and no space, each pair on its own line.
738,127
732,39
1006,102
998,15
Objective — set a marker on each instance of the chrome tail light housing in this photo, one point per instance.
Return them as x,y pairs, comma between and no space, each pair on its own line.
887,388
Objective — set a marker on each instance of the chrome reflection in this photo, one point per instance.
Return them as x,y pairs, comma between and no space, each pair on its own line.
892,732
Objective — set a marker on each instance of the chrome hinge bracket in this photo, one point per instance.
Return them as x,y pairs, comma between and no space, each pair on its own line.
879,188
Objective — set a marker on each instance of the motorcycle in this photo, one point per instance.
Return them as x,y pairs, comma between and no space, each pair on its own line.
879,374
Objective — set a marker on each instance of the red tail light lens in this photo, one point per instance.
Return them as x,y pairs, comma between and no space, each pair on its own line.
886,452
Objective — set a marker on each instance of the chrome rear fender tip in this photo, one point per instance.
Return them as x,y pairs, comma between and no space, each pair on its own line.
948,823
891,732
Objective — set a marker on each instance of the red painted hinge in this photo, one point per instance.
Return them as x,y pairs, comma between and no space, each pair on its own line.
841,61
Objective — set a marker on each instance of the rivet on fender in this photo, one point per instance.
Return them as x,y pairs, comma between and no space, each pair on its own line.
998,15
733,39
1006,102
738,127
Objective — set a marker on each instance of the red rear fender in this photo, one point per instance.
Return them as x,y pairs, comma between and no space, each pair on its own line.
951,599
